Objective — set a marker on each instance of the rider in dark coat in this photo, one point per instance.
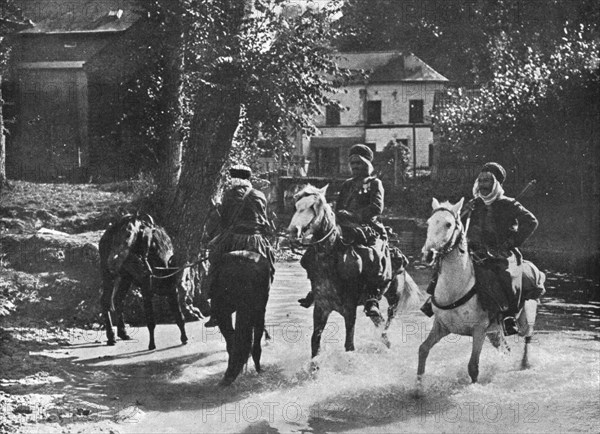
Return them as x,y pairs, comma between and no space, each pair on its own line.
243,225
499,226
359,204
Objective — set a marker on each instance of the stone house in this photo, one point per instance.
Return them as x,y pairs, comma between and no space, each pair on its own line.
63,89
391,103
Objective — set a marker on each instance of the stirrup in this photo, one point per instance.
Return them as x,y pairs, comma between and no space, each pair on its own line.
212,322
372,309
510,326
307,301
427,308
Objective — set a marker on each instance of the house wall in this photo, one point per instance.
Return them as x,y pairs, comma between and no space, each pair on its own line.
395,106
49,141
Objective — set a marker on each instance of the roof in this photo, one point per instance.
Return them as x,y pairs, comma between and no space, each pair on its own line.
389,66
79,16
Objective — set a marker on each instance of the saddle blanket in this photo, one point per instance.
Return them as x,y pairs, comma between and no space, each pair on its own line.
492,297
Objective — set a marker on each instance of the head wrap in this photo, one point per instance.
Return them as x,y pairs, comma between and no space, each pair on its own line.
496,170
364,154
497,190
362,151
240,171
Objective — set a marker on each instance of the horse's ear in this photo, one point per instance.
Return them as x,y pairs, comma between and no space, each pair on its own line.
435,204
458,206
323,190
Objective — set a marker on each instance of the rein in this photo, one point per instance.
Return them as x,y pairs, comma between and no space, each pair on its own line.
454,240
448,247
320,240
178,270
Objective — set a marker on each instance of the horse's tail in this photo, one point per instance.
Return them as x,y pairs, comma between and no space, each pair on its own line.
242,346
411,296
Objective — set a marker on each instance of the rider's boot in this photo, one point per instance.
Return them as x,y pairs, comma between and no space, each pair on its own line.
212,322
427,308
372,308
308,300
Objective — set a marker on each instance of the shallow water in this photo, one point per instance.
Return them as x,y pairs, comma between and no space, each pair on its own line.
373,389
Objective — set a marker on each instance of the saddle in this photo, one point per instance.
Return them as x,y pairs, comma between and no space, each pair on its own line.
491,296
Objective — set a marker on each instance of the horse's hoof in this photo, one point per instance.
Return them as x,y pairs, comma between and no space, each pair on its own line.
225,382
111,342
151,347
124,337
386,341
184,342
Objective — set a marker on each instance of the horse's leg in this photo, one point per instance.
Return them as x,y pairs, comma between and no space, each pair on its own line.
226,328
259,328
526,323
320,316
392,296
149,311
105,302
119,299
350,321
177,314
478,339
241,347
435,335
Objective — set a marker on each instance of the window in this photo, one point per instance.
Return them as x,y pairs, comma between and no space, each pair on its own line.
332,115
415,112
373,112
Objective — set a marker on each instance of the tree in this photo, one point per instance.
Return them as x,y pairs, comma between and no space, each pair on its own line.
457,37
248,72
11,21
539,113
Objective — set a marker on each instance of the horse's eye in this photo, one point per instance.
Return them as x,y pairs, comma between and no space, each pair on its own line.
448,225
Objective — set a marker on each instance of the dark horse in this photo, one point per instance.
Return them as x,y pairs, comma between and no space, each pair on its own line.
242,283
133,250
314,224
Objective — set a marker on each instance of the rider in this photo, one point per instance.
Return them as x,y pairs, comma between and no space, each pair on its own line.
243,225
499,225
359,204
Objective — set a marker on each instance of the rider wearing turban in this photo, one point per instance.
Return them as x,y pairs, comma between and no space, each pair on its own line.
243,225
499,226
359,204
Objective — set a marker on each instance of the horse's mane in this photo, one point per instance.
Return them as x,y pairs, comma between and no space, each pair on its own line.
311,190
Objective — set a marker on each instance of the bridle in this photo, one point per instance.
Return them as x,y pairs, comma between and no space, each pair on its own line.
456,236
326,236
455,240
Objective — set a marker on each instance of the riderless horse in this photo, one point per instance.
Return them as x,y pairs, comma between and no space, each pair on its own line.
456,303
134,250
314,225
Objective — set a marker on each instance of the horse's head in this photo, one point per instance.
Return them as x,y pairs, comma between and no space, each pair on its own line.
443,228
311,207
124,234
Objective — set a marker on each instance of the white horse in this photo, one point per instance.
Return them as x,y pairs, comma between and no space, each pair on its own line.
314,225
455,303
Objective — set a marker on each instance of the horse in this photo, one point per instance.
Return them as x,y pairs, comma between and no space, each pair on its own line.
134,250
242,283
456,304
314,224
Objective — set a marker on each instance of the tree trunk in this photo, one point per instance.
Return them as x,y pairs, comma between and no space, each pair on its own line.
2,144
171,133
215,121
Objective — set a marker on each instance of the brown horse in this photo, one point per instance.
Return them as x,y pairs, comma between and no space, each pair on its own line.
314,224
133,250
242,284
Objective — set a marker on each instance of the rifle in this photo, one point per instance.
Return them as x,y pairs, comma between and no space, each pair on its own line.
468,209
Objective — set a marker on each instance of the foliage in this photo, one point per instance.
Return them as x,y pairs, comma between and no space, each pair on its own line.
538,104
458,37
